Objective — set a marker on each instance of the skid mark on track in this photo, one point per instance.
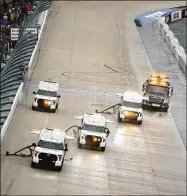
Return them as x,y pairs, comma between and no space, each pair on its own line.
104,76
111,68
9,187
92,78
119,69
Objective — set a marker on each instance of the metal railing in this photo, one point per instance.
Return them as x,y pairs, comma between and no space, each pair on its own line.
16,69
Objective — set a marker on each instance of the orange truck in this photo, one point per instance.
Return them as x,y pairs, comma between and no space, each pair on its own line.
157,92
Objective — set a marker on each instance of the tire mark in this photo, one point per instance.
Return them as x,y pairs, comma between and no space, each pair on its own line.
94,81
111,68
9,187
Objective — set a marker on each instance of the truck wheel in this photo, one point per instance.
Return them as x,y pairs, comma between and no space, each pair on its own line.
165,109
140,122
33,108
103,149
53,110
79,145
33,165
59,168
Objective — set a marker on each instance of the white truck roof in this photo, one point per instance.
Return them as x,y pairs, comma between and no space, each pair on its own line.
132,96
94,119
48,85
52,135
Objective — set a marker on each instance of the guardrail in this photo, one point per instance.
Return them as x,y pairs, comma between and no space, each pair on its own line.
170,38
18,68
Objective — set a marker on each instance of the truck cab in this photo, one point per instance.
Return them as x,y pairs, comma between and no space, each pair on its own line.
130,108
46,97
93,131
157,92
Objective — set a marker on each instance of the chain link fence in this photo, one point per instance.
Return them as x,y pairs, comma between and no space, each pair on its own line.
16,69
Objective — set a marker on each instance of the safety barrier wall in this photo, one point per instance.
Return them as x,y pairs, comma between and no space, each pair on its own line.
13,108
35,54
170,38
18,69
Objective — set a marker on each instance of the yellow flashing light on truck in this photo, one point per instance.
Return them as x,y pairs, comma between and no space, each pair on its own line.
159,79
159,83
159,75
157,91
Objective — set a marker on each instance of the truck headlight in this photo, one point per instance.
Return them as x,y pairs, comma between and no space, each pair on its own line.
47,102
36,153
166,100
126,113
145,99
60,157
96,139
83,136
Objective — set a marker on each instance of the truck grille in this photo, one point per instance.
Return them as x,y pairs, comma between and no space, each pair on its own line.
47,157
93,140
156,100
41,104
132,115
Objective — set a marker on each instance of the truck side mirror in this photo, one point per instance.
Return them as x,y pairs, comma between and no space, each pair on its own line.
143,87
59,96
107,131
34,144
171,91
66,147
34,92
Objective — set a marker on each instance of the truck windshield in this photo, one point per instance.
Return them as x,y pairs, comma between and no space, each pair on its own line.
93,128
131,104
157,89
47,93
50,145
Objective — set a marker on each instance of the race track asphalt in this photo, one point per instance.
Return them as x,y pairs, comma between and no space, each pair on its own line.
80,38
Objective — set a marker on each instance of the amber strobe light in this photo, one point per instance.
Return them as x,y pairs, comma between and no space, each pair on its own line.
47,102
96,139
130,114
159,79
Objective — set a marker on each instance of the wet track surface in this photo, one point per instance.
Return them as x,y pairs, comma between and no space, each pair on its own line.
162,61
80,39
179,30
